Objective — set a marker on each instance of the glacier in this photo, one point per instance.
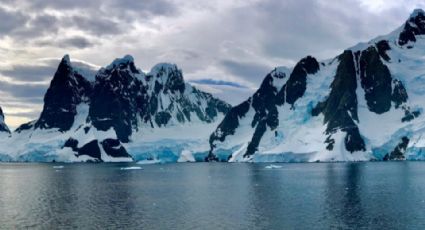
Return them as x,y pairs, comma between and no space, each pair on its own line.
119,114
392,131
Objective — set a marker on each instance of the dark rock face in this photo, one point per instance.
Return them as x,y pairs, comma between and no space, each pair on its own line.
114,148
231,121
414,26
26,126
214,106
297,82
91,149
120,98
71,143
408,115
376,81
383,47
369,67
228,126
399,95
66,91
162,118
399,150
266,114
265,102
340,108
3,126
117,100
175,82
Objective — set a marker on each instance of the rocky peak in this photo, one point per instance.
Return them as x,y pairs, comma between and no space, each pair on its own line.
297,82
3,126
416,13
167,77
117,98
415,25
68,88
125,63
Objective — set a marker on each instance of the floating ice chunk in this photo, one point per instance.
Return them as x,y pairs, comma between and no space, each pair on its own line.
148,162
59,167
131,168
273,167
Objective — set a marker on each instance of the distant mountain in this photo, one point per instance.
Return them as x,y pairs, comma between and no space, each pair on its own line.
3,127
365,104
123,114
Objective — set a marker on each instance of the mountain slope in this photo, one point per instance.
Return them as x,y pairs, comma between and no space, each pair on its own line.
3,127
121,115
365,104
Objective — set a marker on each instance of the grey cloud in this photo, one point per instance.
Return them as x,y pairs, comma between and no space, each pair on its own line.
251,72
29,73
130,9
321,29
230,94
35,27
32,114
199,36
72,42
10,21
95,25
30,92
58,4
111,7
210,81
78,42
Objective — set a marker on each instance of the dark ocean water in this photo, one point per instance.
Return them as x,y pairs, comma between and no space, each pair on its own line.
373,195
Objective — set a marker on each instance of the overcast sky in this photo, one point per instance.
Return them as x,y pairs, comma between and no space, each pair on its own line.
225,47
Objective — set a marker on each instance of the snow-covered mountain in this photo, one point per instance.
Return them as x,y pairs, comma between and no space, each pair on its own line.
122,114
365,104
4,130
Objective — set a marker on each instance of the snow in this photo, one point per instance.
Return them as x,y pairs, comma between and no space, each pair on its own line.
186,156
131,168
175,142
416,12
66,59
166,67
236,144
120,61
300,137
273,166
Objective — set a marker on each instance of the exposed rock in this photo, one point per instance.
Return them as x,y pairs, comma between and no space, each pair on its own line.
340,108
114,148
414,26
67,89
296,84
376,81
399,150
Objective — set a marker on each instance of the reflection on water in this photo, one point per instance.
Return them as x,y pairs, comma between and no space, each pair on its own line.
214,196
343,202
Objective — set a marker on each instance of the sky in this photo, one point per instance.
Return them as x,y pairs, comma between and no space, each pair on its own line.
225,47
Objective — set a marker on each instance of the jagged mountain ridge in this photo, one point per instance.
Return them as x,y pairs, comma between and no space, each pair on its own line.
3,127
101,120
330,110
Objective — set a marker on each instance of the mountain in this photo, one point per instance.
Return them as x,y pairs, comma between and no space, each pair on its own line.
3,127
365,104
122,114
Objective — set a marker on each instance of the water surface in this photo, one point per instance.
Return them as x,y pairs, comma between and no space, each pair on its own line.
379,195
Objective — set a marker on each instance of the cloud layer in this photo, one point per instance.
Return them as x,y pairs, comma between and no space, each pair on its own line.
225,47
